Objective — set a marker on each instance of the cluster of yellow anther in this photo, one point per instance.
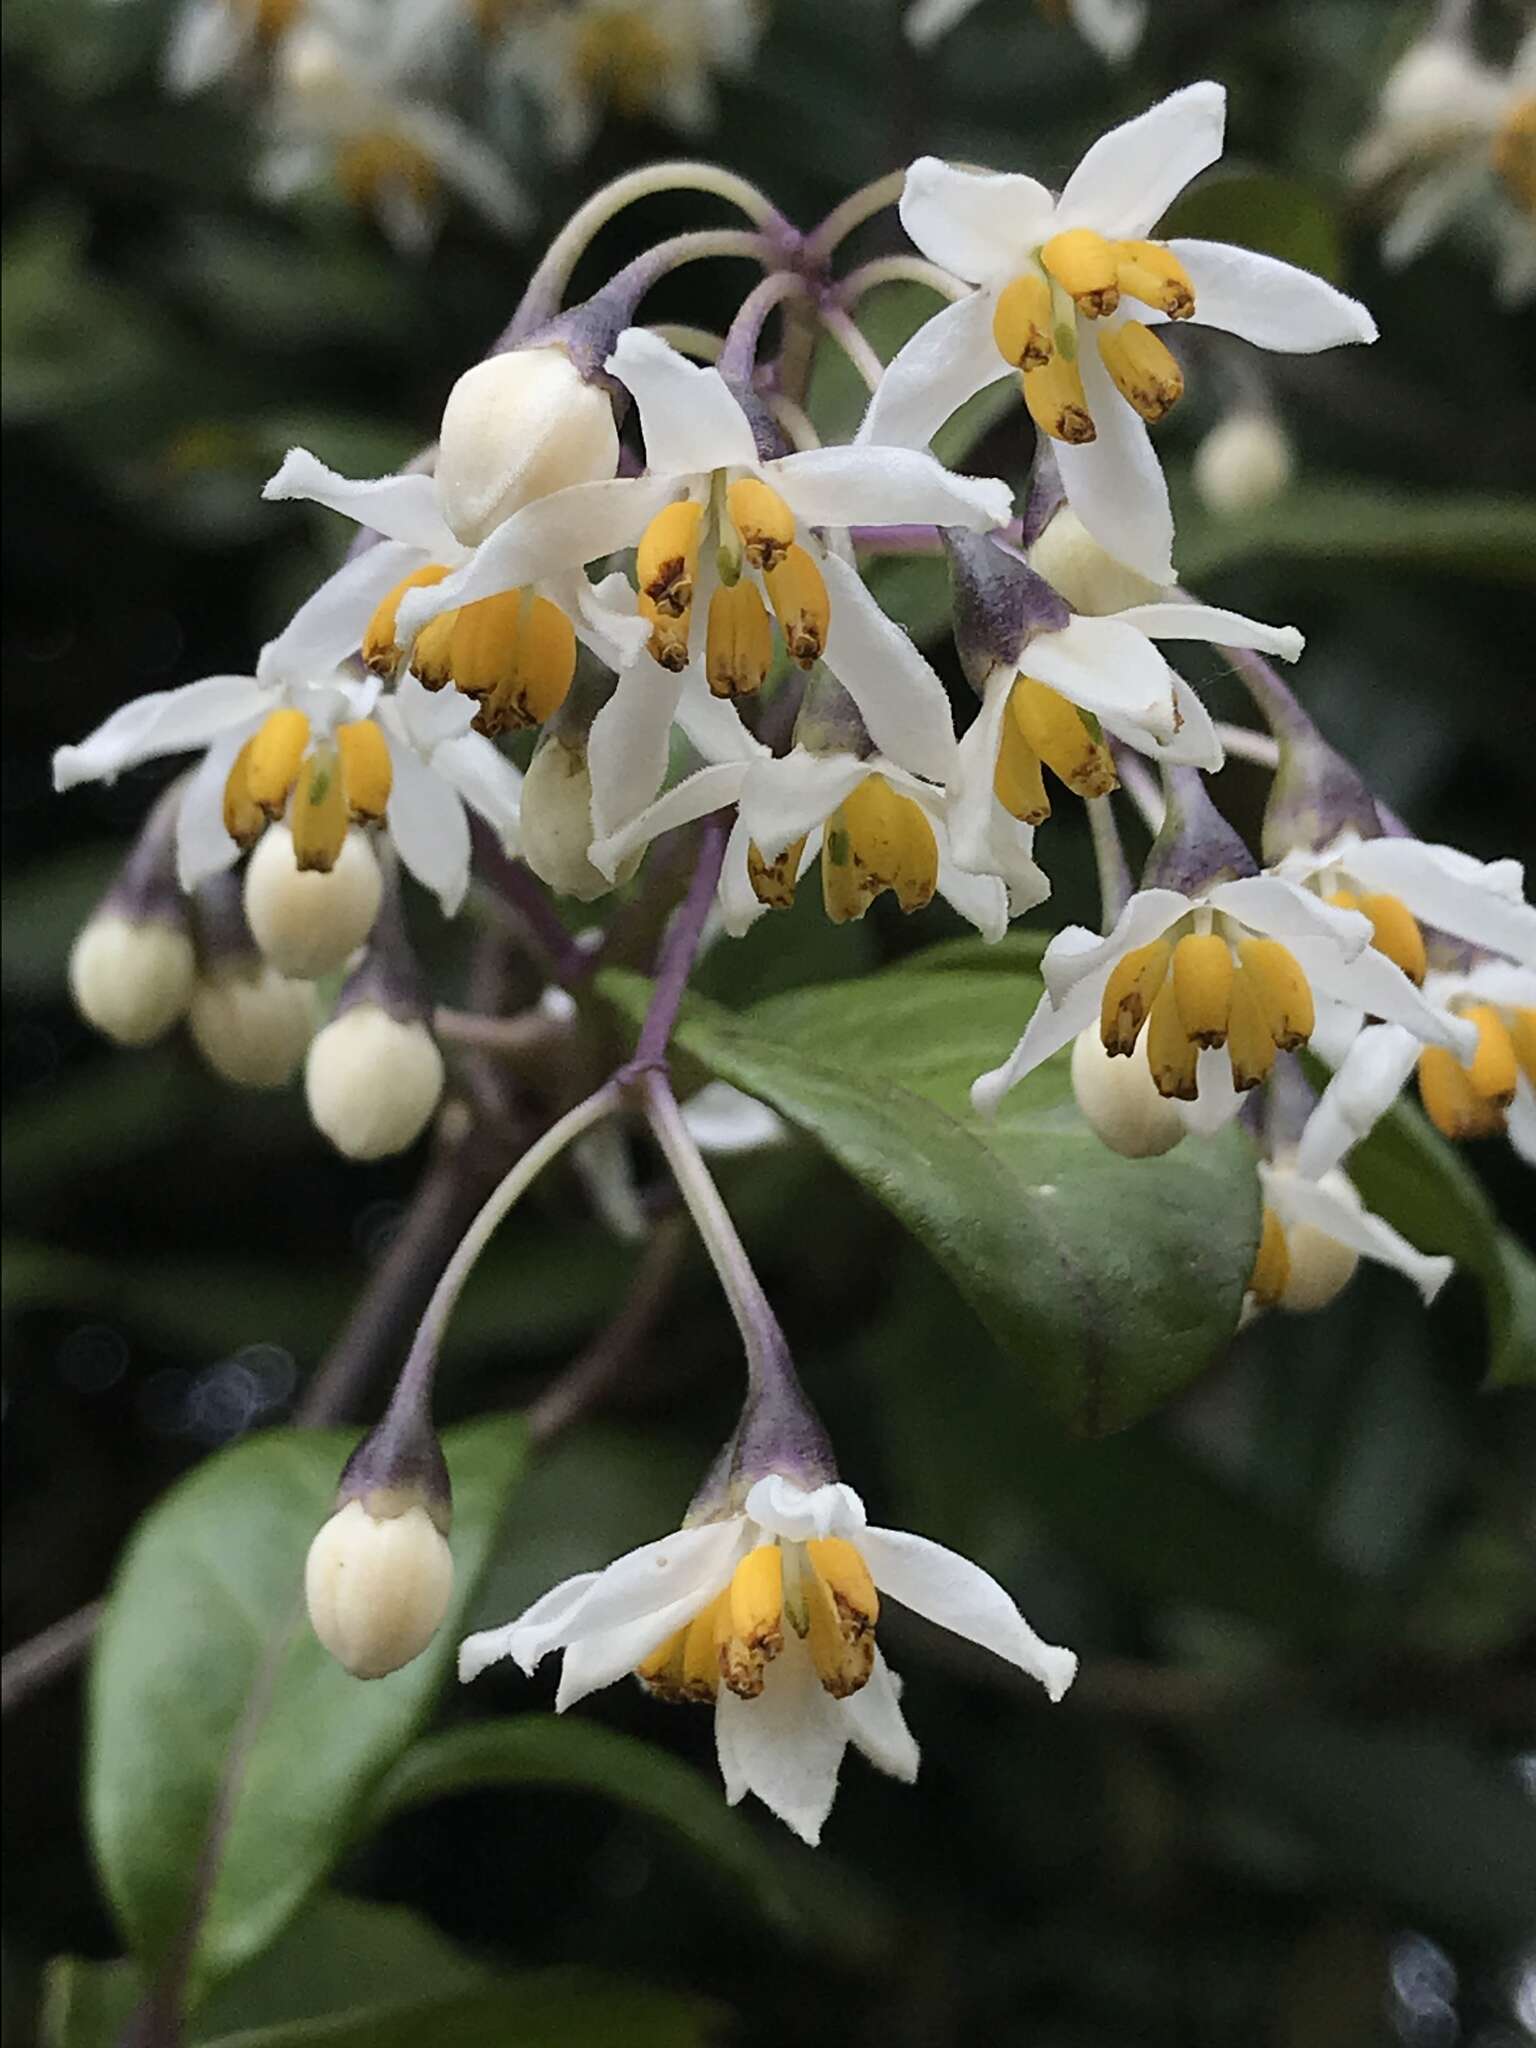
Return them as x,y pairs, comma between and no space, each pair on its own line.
1195,993
821,1588
1472,1101
1041,727
340,781
1394,930
1035,326
876,839
514,654
1514,154
370,166
753,527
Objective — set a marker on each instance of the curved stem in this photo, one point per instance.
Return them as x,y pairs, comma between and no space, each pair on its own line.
1244,744
547,287
794,419
679,950
1115,885
688,341
852,343
738,358
1136,781
852,213
899,270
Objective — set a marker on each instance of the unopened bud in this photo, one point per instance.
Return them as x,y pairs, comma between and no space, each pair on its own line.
515,428
372,1081
130,978
1085,574
556,821
250,1023
1320,1267
1243,462
306,921
1120,1100
378,1583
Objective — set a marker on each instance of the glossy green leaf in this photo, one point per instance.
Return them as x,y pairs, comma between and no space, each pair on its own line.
204,1643
1113,1281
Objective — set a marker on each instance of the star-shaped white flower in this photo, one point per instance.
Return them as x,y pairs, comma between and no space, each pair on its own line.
770,1612
990,229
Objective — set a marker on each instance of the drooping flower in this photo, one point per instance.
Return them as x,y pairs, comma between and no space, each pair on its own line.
1315,1233
1057,279
769,1611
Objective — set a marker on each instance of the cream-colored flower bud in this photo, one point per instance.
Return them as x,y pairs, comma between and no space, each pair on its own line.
372,1081
1119,1098
312,66
1243,462
307,922
1320,1267
378,1586
131,979
1085,574
251,1024
556,822
515,428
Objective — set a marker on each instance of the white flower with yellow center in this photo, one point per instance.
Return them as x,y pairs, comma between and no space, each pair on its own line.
1069,292
1208,986
1316,1232
770,1613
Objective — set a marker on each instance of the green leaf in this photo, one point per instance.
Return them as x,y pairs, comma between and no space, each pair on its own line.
1408,1174
1278,216
208,1595
537,2009
1112,1281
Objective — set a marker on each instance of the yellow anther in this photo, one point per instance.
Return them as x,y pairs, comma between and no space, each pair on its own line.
1397,934
1514,154
1143,369
1282,991
1130,993
797,591
1022,322
1062,737
1172,1055
367,774
273,765
843,1607
1494,1069
1202,986
1057,402
1521,1026
749,1621
319,816
764,521
1150,271
622,56
370,167
701,1655
381,652
273,19
1084,264
876,840
1250,1041
1272,1267
738,643
536,667
773,881
662,1672
667,559
1450,1101
1017,782
668,643
432,651
244,819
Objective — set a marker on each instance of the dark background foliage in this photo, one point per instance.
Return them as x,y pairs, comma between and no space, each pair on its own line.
1287,1802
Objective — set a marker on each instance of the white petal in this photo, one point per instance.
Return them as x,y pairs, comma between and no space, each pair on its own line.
604,615
690,421
949,359
1375,984
736,899
1077,956
596,1660
1132,175
877,1727
1266,903
163,722
1216,1100
472,167
1051,1026
709,789
425,718
686,1568
491,1645
786,1745
203,846
328,627
782,1508
1521,1121
713,724
1107,667
1176,620
723,1121
971,800
1338,1212
1475,900
872,485
1115,483
904,705
782,799
629,745
207,38
402,508
1113,27
1194,742
982,225
1270,303
946,1588
487,781
427,824
1358,1096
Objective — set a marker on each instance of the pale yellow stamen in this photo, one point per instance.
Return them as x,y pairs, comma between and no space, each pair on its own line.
1143,370
667,559
273,764
773,881
1057,402
843,1607
1129,995
1022,322
319,816
1202,987
1059,734
1250,1042
738,644
367,773
1172,1055
668,643
797,591
1017,782
381,653
1150,271
1395,930
1272,1267
1282,991
749,1621
876,840
764,521
368,166
1084,264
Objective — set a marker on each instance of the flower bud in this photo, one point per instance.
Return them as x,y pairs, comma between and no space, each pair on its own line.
516,427
372,1081
1320,1266
1120,1100
251,1024
1085,574
378,1581
306,921
1243,462
131,978
556,821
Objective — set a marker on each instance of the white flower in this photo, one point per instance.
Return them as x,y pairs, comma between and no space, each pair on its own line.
707,492
992,230
875,827
701,1615
1112,27
1325,1229
210,39
1218,980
